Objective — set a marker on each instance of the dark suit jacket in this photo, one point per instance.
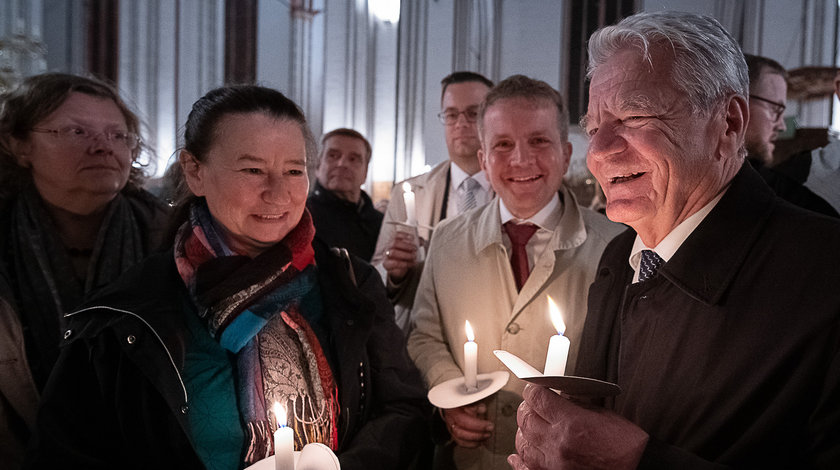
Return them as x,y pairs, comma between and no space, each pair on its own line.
730,356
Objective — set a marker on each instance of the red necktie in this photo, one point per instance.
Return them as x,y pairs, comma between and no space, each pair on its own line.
519,236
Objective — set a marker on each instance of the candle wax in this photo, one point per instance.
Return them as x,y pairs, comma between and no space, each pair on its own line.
284,448
471,365
408,199
558,353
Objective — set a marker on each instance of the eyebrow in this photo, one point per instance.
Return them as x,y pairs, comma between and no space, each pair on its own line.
250,158
634,103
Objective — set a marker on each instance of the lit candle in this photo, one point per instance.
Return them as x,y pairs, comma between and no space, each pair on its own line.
558,346
470,359
284,441
408,199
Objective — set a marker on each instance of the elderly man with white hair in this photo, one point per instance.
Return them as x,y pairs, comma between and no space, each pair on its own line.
718,312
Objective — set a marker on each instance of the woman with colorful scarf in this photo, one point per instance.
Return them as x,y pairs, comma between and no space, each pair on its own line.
179,363
72,218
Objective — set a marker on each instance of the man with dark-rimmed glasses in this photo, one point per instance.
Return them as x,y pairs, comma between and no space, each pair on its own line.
768,90
453,186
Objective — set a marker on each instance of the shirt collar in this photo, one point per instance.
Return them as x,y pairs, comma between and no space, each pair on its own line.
546,218
457,176
672,242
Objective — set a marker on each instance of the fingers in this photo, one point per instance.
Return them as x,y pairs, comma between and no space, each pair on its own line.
466,427
516,462
546,403
530,453
401,256
532,427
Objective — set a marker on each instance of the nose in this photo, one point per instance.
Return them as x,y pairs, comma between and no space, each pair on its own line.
99,143
520,155
780,124
462,120
275,190
605,142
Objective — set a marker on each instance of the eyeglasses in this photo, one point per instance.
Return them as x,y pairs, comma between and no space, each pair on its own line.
83,136
450,116
778,109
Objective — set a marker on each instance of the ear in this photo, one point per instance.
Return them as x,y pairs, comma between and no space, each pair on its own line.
482,164
21,149
736,115
193,172
567,157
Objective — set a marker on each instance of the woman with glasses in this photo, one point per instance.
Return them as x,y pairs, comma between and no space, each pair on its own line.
179,364
72,218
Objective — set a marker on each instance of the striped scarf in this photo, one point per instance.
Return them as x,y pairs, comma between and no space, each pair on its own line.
256,309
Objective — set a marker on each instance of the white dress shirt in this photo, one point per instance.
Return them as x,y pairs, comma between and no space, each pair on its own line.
456,178
672,242
546,219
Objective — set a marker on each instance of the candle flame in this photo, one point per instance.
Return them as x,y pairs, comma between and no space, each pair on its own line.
406,187
280,413
470,333
556,317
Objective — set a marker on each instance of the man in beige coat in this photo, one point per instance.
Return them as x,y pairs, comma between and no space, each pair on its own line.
468,275
438,194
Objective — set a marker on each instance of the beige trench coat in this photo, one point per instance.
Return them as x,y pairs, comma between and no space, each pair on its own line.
467,276
429,189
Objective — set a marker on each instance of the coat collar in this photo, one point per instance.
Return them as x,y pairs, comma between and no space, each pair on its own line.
569,233
707,262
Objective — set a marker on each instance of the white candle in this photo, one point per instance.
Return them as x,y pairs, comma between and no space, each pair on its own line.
470,359
284,441
408,199
558,346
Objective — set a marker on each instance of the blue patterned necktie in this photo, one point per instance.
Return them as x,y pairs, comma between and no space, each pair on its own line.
650,264
467,199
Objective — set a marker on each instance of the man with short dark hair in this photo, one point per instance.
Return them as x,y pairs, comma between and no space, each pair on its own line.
768,95
495,266
768,92
455,185
343,214
718,312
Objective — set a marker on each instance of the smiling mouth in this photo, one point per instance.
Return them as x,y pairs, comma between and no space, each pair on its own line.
525,179
626,178
269,218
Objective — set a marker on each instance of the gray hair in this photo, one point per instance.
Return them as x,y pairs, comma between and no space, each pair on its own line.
708,62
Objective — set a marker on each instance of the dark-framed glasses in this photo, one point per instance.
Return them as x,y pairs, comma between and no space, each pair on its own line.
83,136
450,116
778,109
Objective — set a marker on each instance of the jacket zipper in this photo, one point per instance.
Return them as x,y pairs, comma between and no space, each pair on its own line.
168,354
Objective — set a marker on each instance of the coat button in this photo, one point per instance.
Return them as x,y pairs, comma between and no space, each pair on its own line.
508,410
131,339
513,328
350,322
184,409
68,333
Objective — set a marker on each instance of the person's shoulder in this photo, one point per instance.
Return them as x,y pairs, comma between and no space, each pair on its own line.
156,274
470,221
147,202
437,172
599,226
148,293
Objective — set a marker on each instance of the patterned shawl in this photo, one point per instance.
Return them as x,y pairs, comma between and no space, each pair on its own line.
255,308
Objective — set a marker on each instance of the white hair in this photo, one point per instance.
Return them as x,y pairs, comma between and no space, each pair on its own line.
708,62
